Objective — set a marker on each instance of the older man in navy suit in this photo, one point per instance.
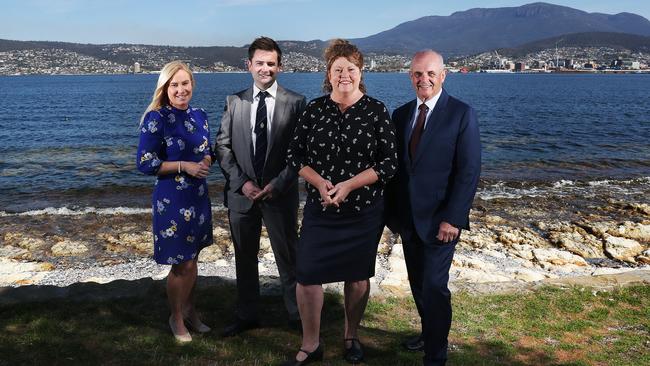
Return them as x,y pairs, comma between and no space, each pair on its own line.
429,199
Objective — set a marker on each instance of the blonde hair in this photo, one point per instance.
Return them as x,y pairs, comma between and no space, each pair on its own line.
160,97
342,48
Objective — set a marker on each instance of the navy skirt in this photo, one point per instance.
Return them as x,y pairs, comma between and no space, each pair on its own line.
335,247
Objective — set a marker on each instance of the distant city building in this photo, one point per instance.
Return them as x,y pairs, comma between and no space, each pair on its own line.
520,66
569,63
69,61
631,65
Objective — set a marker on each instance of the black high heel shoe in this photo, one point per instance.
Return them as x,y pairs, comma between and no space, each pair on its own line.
313,356
354,354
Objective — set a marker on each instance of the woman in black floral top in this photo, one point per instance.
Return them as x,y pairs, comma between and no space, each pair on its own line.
339,145
344,148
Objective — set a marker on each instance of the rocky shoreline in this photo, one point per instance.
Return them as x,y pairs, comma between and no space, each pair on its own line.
513,242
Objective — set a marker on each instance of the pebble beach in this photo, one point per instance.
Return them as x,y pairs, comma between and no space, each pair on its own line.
520,236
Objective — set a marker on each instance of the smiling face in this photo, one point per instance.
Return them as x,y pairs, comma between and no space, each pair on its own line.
264,67
427,74
179,90
344,76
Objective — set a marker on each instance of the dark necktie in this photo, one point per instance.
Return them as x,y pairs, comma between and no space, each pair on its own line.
260,135
417,131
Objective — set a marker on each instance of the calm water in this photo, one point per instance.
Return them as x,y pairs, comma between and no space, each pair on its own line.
67,140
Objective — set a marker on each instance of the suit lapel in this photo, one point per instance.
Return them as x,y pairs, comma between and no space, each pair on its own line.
433,123
245,122
407,128
279,113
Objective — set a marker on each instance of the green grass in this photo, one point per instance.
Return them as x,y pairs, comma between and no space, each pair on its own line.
550,326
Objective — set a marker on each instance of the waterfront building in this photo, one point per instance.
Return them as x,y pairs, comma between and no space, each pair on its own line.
631,65
569,63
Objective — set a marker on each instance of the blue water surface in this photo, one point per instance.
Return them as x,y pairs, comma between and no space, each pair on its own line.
61,133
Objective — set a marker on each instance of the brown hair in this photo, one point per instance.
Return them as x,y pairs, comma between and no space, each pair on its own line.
342,48
265,44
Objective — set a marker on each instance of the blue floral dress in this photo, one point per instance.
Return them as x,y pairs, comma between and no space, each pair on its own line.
182,218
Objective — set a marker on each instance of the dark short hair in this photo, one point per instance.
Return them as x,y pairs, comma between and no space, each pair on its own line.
342,48
265,44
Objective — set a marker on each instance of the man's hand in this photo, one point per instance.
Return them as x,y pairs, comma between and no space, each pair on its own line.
447,232
264,194
250,190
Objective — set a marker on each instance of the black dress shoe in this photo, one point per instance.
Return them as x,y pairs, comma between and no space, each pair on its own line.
239,326
354,354
313,356
414,344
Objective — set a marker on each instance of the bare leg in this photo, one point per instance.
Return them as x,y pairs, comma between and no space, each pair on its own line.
310,305
356,298
179,286
189,310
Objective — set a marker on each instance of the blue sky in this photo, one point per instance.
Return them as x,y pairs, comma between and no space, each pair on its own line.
236,22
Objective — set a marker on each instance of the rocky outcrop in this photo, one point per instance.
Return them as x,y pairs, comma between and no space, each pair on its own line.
19,273
141,242
622,248
556,257
396,281
24,241
644,258
577,240
631,230
509,242
12,252
67,247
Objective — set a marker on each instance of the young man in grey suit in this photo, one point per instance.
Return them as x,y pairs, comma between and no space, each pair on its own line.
251,148
429,199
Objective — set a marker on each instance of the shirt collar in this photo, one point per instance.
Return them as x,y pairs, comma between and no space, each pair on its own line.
272,90
431,103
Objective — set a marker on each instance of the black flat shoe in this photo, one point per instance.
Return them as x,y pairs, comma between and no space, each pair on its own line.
313,356
414,344
239,326
354,354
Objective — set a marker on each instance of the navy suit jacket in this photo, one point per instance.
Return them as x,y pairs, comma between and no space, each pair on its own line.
439,183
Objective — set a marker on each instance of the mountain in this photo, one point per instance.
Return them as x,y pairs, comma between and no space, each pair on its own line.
127,54
513,30
618,41
480,29
313,48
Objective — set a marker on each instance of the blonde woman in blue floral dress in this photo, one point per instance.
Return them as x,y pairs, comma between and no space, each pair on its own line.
175,147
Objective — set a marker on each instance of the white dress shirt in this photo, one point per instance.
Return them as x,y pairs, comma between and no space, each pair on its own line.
270,106
431,103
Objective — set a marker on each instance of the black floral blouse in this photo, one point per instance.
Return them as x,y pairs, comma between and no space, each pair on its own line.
339,145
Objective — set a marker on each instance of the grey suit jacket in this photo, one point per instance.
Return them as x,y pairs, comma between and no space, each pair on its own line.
234,150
